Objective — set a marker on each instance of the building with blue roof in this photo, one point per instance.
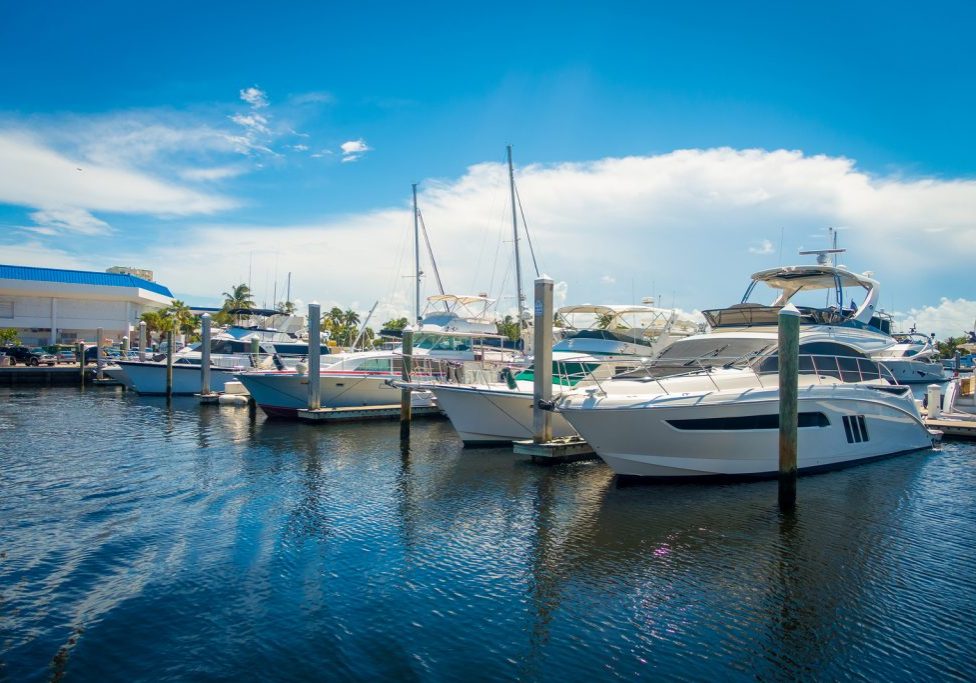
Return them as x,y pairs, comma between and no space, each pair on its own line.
56,306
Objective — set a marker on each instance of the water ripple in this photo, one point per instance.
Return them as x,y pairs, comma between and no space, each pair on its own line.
146,540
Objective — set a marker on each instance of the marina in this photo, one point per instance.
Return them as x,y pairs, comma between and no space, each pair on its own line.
187,541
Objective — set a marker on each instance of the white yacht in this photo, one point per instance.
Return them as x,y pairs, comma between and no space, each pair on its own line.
912,359
455,330
597,341
709,404
279,346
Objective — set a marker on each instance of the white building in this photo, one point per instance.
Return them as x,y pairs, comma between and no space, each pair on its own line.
51,306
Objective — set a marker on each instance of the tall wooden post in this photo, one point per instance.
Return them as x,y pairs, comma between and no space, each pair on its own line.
406,409
99,361
169,363
789,368
205,355
81,361
542,364
142,341
314,356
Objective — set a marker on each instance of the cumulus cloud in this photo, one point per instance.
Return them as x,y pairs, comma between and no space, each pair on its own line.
679,225
255,97
252,122
950,317
354,149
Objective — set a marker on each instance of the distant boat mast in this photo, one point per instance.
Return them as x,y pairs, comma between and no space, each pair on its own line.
416,252
515,232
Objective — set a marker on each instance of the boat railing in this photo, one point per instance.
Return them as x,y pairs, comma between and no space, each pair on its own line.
824,368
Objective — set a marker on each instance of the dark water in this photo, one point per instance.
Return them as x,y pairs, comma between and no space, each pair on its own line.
140,542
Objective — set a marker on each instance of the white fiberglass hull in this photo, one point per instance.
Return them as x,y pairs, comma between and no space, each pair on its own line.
484,414
283,394
150,377
736,433
913,371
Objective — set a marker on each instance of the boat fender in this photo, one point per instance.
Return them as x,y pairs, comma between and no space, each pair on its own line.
301,368
549,406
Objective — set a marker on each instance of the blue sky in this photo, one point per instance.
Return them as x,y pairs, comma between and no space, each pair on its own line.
221,127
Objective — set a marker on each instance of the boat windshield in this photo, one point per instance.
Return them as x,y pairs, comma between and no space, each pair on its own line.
699,353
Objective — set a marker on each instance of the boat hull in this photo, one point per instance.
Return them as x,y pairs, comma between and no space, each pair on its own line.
283,394
915,372
486,415
150,377
738,436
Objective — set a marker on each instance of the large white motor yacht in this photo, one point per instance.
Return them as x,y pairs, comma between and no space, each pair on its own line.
912,359
709,404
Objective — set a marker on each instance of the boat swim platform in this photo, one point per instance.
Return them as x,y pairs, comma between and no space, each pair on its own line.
363,413
961,428
568,449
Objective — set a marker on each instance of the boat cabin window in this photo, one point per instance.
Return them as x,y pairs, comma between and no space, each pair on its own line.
437,342
828,359
375,365
565,374
686,355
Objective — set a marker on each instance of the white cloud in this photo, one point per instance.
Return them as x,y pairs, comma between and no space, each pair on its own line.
300,148
34,175
69,220
354,149
255,97
951,317
315,97
608,280
212,174
252,122
676,225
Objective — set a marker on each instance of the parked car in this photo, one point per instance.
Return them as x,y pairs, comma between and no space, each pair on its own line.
66,356
22,354
40,356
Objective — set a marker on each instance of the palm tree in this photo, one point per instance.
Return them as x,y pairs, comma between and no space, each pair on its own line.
238,297
156,322
183,320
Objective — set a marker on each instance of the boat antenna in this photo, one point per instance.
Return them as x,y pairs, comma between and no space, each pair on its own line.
288,289
416,251
518,263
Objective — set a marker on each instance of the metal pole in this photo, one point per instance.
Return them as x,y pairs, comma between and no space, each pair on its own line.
957,357
142,341
406,410
81,361
205,355
542,370
169,363
416,252
314,356
98,354
520,304
789,368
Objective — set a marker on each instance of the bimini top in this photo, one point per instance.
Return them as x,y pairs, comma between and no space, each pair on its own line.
81,277
793,278
788,282
624,316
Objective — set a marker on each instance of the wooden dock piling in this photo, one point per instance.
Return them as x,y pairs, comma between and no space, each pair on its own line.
406,407
789,356
169,364
205,355
314,355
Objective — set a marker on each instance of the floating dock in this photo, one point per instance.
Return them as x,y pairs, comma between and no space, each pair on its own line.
568,449
360,413
961,428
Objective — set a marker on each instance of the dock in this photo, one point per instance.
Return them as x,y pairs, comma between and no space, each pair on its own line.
961,428
567,449
360,413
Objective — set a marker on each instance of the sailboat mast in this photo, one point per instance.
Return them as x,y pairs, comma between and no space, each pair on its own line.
416,253
518,261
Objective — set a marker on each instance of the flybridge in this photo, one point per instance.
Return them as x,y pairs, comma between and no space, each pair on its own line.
788,282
